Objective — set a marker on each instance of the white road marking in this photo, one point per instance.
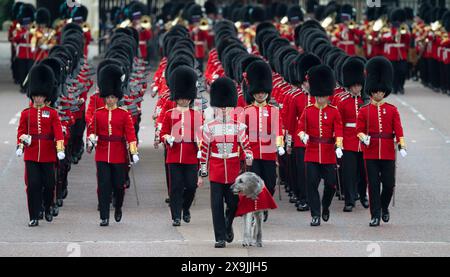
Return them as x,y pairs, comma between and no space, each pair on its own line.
13,121
6,142
209,241
421,117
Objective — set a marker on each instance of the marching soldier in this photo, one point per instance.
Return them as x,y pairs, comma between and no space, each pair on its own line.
222,140
137,10
43,37
354,177
320,128
40,139
396,48
377,126
180,130
264,125
112,133
199,35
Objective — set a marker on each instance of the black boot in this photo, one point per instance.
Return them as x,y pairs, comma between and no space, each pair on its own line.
230,235
176,222
33,223
348,208
55,211
104,223
303,207
374,222
266,216
187,216
118,215
325,214
220,244
315,221
385,216
49,215
364,202
59,202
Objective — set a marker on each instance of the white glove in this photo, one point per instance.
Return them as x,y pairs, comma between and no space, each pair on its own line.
61,155
170,140
339,152
135,158
305,138
366,140
44,47
249,159
92,140
281,151
199,154
403,153
19,152
26,140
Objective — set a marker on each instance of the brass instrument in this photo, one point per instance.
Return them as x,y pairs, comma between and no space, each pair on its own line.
146,22
126,23
204,24
351,25
378,25
86,27
328,21
435,26
404,29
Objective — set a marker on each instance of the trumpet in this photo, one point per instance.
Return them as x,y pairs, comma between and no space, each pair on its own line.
351,25
328,21
378,25
404,29
146,22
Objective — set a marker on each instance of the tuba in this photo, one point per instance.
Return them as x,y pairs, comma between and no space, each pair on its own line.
86,27
204,24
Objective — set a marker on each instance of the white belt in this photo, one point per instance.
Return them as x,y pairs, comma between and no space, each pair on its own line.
395,45
350,125
142,43
225,156
198,42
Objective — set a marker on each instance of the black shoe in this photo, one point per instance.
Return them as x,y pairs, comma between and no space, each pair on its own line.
293,199
127,184
303,208
290,194
55,211
104,223
176,223
65,193
365,202
33,223
230,235
167,200
186,216
220,244
374,222
348,208
118,215
49,215
41,215
385,216
74,160
59,202
315,221
266,216
325,215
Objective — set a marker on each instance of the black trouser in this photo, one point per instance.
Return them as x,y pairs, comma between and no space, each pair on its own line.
183,180
284,169
354,176
292,173
315,172
21,68
40,181
400,73
200,64
267,170
423,68
166,169
110,177
301,174
77,136
380,172
443,76
433,71
62,172
222,220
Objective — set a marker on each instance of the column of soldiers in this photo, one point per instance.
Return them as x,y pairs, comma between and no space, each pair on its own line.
58,87
301,108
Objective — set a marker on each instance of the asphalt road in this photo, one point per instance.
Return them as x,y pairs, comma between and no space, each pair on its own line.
420,220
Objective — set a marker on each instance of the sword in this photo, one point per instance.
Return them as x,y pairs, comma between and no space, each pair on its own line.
133,178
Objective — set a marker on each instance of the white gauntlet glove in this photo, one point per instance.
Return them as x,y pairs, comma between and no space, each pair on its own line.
170,140
19,152
366,140
91,142
339,152
281,151
25,139
61,155
135,158
403,152
304,137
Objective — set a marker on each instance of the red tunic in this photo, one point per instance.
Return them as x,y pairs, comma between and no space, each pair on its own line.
349,109
114,129
247,205
144,36
297,106
264,130
44,127
220,148
323,126
381,122
185,128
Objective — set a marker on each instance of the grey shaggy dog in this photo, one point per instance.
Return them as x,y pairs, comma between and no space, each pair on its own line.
250,185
